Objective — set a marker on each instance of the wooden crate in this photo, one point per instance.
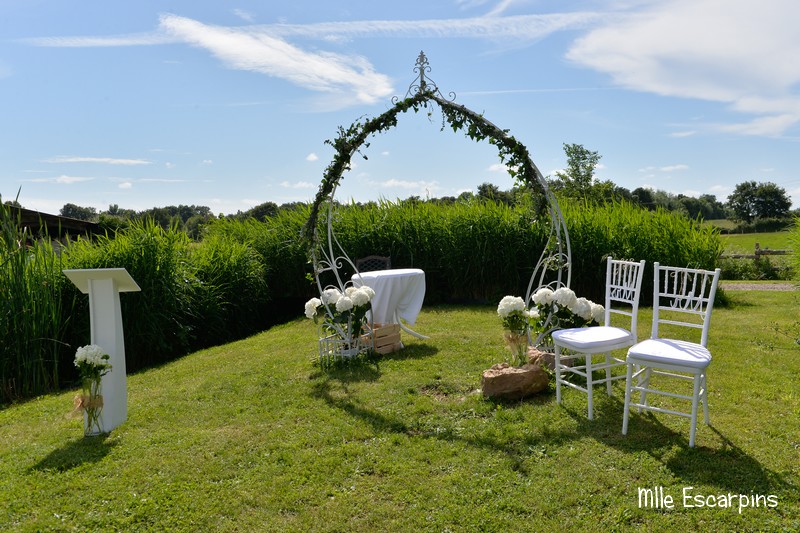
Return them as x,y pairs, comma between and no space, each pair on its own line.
387,338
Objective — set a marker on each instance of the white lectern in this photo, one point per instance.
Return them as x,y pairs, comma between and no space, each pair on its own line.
103,286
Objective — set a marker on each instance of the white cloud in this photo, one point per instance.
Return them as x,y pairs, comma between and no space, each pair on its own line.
244,15
169,165
105,160
259,51
730,51
312,157
125,185
498,167
680,134
298,185
674,168
207,162
71,179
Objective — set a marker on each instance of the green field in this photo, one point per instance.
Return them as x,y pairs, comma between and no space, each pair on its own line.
251,436
744,243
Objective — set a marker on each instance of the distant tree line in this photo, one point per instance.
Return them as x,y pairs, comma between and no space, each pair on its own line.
763,206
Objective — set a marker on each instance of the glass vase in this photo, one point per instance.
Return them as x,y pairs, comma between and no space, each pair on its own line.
92,407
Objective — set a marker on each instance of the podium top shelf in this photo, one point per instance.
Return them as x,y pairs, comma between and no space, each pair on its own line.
81,277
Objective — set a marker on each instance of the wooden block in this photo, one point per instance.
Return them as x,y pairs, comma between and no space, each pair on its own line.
389,348
384,330
387,340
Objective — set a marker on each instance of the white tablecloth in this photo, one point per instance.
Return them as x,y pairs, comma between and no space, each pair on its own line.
398,293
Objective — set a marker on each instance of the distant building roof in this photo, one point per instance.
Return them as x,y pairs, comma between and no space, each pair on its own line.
56,226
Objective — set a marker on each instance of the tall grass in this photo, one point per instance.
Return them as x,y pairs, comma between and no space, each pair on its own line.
30,310
247,275
794,239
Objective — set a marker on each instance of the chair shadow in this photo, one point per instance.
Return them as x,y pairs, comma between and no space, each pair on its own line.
728,467
76,453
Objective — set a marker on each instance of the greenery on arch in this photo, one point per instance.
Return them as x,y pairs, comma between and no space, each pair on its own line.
513,154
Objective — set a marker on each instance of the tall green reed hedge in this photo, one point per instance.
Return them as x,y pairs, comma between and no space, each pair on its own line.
31,318
246,275
794,239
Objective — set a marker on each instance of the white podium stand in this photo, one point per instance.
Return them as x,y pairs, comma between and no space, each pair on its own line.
103,286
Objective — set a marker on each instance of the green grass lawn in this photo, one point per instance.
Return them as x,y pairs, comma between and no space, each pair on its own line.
744,243
251,436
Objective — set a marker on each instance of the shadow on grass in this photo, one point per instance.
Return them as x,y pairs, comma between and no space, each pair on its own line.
727,467
75,453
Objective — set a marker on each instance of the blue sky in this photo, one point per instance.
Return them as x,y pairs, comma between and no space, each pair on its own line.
228,104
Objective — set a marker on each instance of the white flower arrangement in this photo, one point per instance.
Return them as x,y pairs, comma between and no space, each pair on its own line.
562,309
516,320
346,311
93,363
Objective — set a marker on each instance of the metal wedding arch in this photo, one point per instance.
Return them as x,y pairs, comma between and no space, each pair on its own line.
330,260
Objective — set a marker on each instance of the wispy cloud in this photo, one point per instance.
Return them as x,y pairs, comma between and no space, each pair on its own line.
261,52
724,51
298,185
526,28
63,179
312,157
244,15
674,168
105,160
343,78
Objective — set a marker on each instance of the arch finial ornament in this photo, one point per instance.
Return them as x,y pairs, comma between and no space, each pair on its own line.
553,269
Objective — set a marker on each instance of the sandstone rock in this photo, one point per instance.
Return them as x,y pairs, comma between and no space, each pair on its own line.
512,383
545,359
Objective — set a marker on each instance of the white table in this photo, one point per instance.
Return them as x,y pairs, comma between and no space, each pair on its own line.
398,295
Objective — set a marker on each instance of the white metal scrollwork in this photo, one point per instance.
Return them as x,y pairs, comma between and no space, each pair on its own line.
553,268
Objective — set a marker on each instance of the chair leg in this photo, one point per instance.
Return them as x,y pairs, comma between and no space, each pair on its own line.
626,408
695,401
608,373
557,364
645,384
705,399
589,385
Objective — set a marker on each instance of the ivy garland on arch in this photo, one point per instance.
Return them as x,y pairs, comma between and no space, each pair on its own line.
554,266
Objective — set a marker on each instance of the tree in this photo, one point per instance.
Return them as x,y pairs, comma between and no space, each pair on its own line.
751,200
78,212
577,179
772,201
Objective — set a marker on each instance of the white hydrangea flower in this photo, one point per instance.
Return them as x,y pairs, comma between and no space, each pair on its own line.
359,297
543,296
368,291
331,296
510,304
598,313
564,297
344,303
91,355
583,308
349,291
311,307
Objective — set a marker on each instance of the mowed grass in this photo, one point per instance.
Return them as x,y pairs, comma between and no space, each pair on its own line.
745,243
251,436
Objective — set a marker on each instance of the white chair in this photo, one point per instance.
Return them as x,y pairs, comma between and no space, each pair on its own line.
684,298
623,285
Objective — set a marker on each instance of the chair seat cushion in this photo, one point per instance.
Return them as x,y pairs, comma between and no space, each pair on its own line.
671,352
596,339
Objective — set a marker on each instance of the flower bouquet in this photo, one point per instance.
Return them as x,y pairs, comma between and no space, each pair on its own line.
516,321
561,309
93,363
342,315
